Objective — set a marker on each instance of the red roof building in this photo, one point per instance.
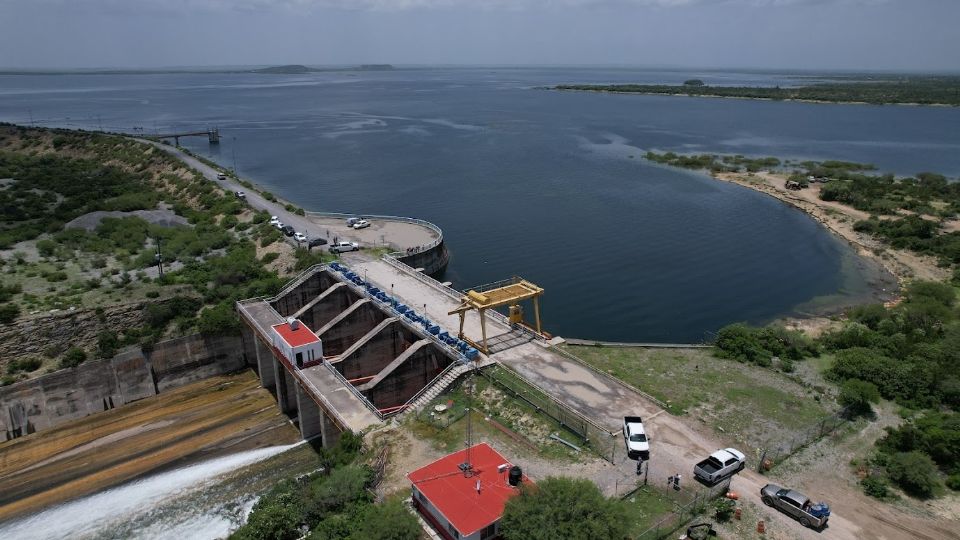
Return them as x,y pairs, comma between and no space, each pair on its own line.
464,506
298,343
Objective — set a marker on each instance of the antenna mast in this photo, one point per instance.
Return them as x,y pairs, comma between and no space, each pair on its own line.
467,466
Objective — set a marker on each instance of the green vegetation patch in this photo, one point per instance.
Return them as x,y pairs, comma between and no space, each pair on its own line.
942,90
747,404
526,427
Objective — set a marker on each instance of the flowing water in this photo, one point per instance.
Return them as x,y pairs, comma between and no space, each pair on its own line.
544,184
202,501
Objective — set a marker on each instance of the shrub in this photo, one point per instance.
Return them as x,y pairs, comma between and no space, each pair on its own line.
269,257
857,395
914,472
25,365
107,344
570,508
46,247
875,486
387,521
953,482
9,312
723,509
73,358
220,319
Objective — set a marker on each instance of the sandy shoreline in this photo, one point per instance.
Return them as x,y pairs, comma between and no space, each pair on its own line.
839,219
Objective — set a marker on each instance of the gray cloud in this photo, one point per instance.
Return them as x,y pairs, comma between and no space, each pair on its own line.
130,6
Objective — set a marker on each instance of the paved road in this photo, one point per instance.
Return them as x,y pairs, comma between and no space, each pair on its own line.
254,199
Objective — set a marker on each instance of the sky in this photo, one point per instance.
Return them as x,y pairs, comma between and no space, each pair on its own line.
874,35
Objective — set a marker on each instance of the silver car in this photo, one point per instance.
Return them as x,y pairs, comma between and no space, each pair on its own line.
796,504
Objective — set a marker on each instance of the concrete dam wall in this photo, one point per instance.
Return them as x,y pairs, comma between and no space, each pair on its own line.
42,403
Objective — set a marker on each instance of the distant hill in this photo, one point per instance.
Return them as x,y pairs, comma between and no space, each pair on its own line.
376,67
284,70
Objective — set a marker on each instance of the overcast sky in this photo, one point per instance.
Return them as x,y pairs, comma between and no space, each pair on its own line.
916,35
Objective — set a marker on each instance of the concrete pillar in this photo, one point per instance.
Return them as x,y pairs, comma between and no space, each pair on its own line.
287,398
310,415
265,365
331,433
248,341
283,391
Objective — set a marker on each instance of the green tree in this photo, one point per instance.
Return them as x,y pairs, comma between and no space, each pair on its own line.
388,521
857,395
9,313
220,319
915,472
272,518
107,344
73,358
557,507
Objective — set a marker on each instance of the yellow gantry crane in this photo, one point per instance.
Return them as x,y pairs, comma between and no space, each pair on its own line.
504,293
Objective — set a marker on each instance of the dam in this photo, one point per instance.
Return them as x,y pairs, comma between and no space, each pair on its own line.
339,353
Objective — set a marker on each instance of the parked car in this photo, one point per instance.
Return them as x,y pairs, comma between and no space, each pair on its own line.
362,224
796,504
352,221
342,247
279,225
221,176
720,465
317,242
274,220
635,437
287,230
300,237
241,195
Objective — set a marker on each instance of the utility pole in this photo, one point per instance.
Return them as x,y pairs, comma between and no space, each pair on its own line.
159,258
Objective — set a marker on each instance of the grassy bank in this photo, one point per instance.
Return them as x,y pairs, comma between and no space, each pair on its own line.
745,404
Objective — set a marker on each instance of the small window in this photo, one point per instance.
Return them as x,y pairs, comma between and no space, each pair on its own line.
790,501
453,530
299,359
421,497
489,531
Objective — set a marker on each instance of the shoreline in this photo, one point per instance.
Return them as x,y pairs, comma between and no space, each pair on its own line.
751,98
837,218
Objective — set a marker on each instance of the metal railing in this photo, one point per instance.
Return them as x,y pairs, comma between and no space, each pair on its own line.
597,438
402,219
413,399
683,513
353,389
786,447
315,394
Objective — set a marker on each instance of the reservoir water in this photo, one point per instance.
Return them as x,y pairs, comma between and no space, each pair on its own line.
544,184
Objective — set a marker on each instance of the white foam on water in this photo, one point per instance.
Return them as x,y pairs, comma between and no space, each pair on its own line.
95,515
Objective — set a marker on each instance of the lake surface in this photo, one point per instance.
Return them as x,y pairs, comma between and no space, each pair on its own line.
543,184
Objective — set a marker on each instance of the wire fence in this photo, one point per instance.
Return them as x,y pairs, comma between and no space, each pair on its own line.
688,506
772,454
588,434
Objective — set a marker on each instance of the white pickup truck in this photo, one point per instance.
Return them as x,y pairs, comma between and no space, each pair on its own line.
635,437
719,465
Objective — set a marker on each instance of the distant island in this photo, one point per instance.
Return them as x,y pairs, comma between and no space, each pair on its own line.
298,68
288,69
284,70
914,90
